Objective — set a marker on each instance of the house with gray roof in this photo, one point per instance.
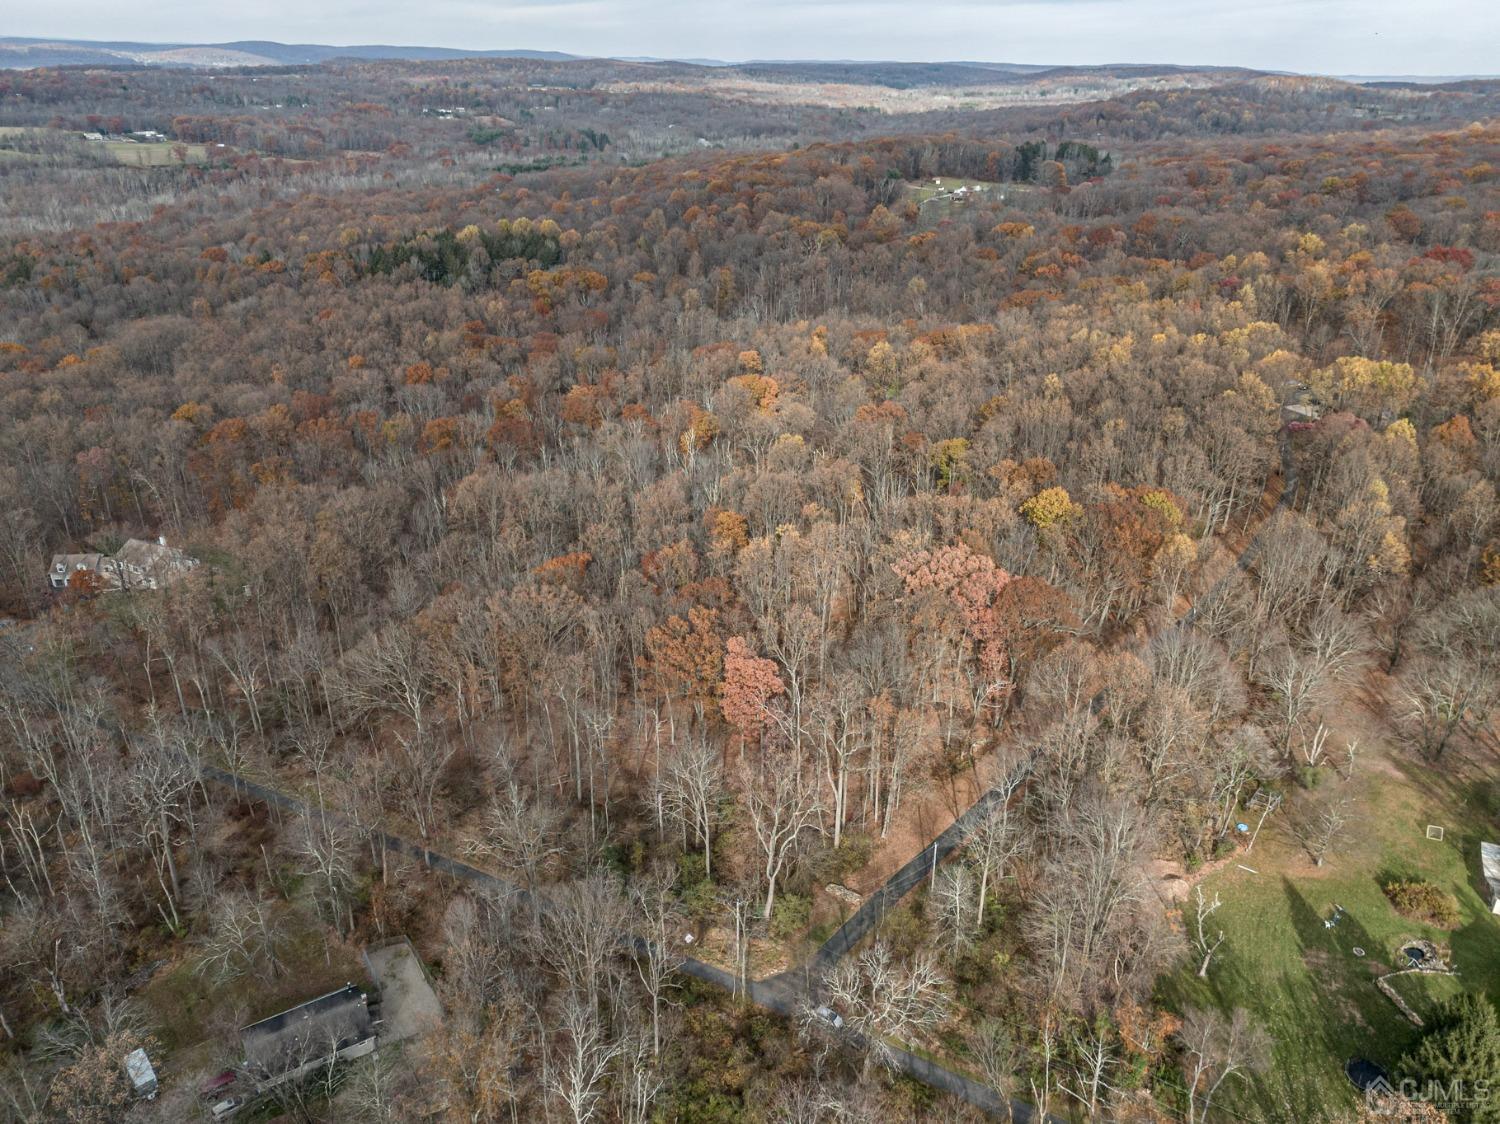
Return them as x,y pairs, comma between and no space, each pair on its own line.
284,1047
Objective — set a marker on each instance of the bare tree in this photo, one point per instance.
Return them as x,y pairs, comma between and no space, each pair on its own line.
1319,822
881,998
1206,945
692,788
523,835
1215,1049
385,672
379,1090
1087,915
1436,697
581,933
1296,681
579,1078
837,719
997,840
639,1079
160,788
1335,643
421,761
325,851
1094,1056
782,802
998,1057
953,895
243,938
244,663
656,957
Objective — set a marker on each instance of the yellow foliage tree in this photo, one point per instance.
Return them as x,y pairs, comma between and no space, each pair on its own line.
1372,388
1049,507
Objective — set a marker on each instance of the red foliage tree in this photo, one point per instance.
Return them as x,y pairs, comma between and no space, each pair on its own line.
750,683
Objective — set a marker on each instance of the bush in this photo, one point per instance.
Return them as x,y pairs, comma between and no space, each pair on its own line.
690,869
790,915
830,864
1422,901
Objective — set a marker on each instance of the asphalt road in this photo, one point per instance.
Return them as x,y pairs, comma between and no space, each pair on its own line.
788,992
785,994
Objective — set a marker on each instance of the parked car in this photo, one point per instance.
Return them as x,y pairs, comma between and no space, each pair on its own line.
213,1088
830,1016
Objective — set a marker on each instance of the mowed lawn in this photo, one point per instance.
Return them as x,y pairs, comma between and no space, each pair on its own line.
154,154
1303,982
924,190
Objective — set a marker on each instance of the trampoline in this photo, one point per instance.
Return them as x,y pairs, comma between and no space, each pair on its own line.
1364,1073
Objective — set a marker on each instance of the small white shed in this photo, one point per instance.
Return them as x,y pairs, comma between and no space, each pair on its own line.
142,1075
1489,859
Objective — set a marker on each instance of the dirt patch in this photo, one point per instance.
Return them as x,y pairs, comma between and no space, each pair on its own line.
408,1005
924,814
1169,879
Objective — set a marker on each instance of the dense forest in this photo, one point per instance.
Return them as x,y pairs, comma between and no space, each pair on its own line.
681,533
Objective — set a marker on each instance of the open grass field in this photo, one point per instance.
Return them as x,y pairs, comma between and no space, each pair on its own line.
1425,992
154,154
1304,982
926,190
142,154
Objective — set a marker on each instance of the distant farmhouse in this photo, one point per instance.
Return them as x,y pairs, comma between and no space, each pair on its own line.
296,1042
136,565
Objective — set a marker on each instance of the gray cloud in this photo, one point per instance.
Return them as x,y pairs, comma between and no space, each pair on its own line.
1323,36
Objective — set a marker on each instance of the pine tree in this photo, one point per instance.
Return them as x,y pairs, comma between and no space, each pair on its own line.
1458,1061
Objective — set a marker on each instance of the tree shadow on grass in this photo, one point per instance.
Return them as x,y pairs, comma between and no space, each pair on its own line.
1340,1011
1462,786
1321,1008
1475,946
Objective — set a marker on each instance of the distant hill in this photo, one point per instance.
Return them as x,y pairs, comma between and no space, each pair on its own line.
21,53
909,75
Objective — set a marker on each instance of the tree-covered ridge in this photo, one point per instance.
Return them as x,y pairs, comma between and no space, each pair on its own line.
687,542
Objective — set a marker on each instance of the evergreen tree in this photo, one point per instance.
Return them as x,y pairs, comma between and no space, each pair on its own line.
1457,1063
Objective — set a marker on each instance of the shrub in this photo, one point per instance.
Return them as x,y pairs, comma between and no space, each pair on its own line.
790,914
1422,901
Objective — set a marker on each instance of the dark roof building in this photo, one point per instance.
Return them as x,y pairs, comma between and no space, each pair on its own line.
285,1046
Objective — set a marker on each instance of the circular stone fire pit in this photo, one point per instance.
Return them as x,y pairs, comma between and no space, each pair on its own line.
1420,954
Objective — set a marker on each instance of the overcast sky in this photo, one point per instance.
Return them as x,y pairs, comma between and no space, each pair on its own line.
1321,36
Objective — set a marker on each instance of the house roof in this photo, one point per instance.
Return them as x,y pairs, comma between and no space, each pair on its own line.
138,1066
147,555
1489,859
71,562
313,1031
